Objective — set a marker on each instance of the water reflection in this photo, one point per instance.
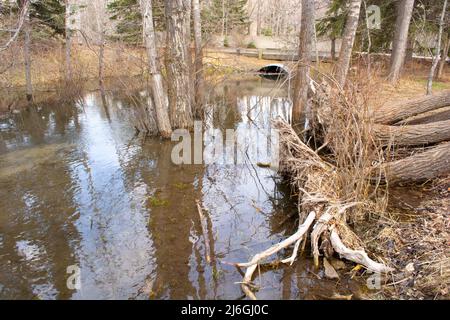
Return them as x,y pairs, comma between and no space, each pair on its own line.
78,188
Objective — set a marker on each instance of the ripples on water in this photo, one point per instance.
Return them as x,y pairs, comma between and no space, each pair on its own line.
77,188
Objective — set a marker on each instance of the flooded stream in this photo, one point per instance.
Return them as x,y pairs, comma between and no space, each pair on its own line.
79,190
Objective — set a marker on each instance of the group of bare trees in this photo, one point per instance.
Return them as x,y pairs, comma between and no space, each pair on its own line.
404,9
175,103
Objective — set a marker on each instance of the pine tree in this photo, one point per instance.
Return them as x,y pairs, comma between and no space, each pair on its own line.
128,19
225,16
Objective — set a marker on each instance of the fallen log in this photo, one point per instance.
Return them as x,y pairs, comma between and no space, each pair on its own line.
390,114
412,135
423,166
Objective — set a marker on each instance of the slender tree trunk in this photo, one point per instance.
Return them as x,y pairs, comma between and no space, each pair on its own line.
68,23
223,18
27,57
159,96
404,13
303,68
199,80
100,19
333,49
443,61
438,50
178,63
348,40
252,13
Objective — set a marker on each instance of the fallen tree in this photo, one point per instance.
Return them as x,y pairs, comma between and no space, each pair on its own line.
323,194
335,181
412,135
390,114
422,166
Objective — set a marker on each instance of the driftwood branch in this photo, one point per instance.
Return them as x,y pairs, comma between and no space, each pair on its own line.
253,264
358,256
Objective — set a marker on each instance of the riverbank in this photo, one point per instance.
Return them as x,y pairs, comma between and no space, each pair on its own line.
125,67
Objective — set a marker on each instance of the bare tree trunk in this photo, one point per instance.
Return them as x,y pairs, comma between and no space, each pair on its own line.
333,49
348,40
159,96
252,13
178,63
68,40
303,69
427,165
391,114
443,61
404,13
27,57
413,135
438,50
199,80
100,19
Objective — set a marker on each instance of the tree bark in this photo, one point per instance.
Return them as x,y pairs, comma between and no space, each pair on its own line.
68,40
411,135
423,166
348,40
199,79
303,67
27,57
437,58
443,61
404,14
391,114
178,63
333,49
159,96
252,14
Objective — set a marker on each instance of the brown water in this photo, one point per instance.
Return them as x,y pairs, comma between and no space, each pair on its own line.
77,188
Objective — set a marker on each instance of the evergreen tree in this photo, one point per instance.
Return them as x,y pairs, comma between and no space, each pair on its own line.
128,19
225,16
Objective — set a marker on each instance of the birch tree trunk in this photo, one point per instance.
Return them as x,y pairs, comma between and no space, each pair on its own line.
199,80
178,63
27,57
68,24
400,43
348,40
252,13
303,67
443,61
99,7
438,50
159,96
